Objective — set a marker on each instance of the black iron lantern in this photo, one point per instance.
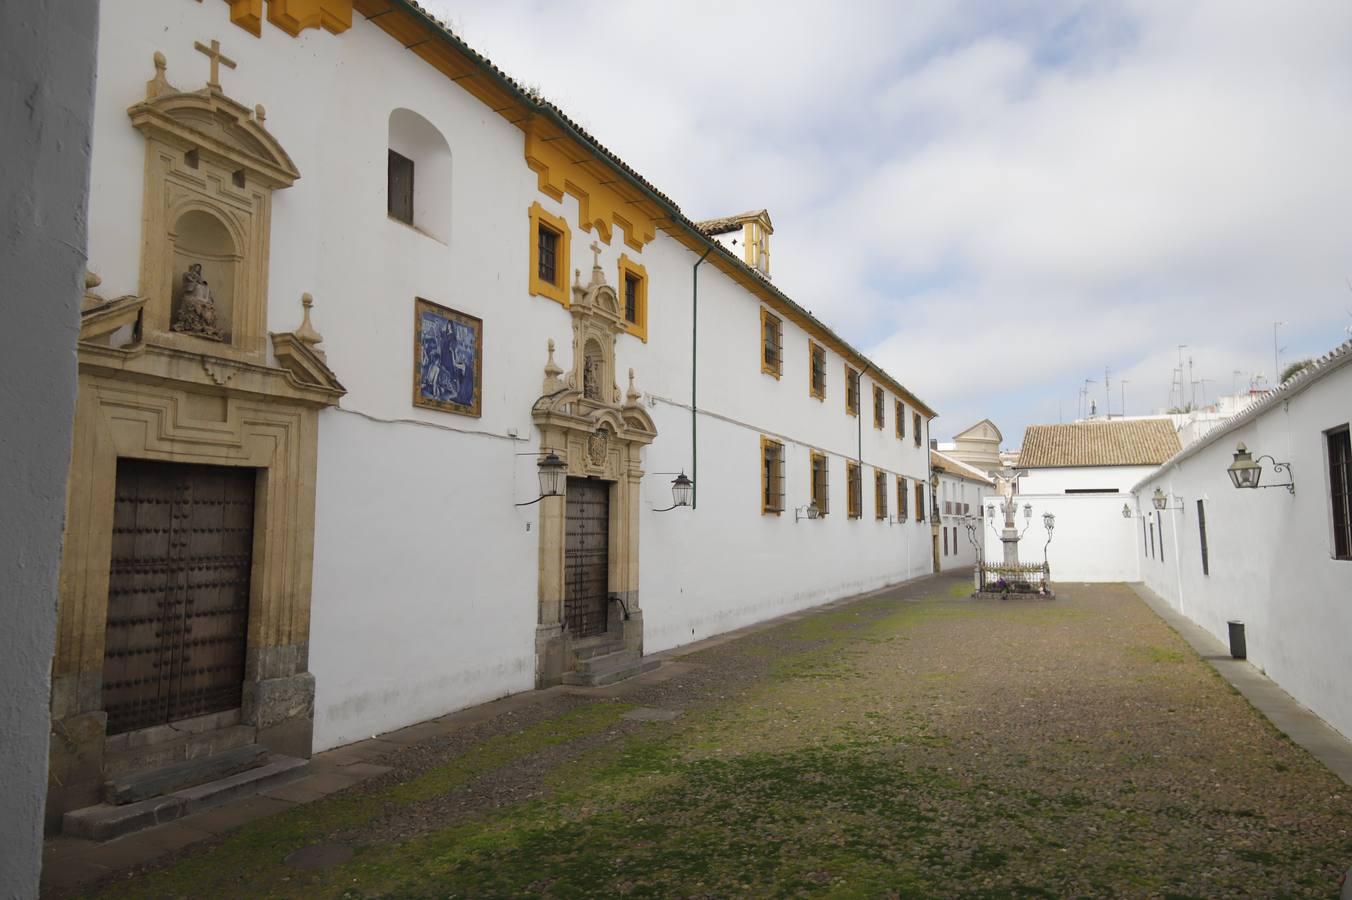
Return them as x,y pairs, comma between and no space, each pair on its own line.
1159,499
682,492
553,472
1126,511
1048,521
1244,472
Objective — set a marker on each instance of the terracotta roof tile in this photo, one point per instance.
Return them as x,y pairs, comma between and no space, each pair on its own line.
1120,442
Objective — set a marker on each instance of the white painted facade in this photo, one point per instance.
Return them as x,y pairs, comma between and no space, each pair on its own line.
1091,541
1270,553
1065,479
425,572
962,490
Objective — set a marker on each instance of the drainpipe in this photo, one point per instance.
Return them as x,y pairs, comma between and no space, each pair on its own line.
859,422
694,371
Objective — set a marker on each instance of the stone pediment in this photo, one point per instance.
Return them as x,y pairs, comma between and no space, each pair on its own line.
984,430
210,123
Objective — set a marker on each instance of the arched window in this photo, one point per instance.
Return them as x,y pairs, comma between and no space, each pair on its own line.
419,183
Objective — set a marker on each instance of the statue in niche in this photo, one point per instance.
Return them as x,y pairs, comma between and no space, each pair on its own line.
196,311
591,377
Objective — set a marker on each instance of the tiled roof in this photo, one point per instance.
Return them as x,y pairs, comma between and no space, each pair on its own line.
1325,365
533,100
1115,442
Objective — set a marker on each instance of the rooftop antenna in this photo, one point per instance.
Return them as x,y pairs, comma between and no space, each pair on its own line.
1234,381
1107,396
1276,354
1085,392
1177,386
1122,383
1192,384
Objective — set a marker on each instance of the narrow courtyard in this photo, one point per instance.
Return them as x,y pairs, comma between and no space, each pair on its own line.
911,743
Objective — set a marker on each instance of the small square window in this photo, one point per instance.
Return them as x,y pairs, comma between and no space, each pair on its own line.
400,188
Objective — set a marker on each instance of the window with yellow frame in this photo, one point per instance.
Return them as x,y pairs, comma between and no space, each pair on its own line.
772,477
851,390
821,483
633,287
772,343
549,255
856,489
816,370
879,494
901,419
879,407
901,499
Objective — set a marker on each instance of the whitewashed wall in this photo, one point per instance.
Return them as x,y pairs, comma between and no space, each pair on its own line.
961,552
425,573
1062,479
1271,553
1090,540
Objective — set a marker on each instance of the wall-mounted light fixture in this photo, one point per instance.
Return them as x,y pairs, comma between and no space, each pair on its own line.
552,471
807,512
1245,471
1160,500
1126,511
682,488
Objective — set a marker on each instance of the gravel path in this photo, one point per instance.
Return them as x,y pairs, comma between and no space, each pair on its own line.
908,744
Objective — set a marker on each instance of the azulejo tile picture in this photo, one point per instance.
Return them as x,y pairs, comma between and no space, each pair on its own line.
447,359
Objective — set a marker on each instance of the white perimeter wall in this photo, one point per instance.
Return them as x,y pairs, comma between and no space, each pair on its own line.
425,573
1090,540
1060,480
961,551
1271,553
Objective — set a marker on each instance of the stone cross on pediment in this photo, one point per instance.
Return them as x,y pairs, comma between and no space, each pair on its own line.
217,58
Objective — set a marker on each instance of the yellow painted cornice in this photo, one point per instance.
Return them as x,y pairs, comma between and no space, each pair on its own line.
292,16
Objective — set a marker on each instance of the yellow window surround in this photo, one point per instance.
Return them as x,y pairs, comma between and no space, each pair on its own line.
879,494
901,499
879,407
772,343
901,419
852,387
854,482
816,370
630,269
558,290
772,477
819,481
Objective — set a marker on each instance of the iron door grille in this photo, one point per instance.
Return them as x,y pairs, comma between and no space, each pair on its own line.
178,592
586,557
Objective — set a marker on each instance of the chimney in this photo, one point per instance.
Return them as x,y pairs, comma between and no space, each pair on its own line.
934,444
746,234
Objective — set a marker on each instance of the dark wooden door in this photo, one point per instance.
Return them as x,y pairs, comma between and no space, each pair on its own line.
586,562
178,592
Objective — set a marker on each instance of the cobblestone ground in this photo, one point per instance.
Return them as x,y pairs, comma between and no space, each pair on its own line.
908,744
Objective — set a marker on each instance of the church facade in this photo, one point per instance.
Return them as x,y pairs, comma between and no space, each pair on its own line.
399,393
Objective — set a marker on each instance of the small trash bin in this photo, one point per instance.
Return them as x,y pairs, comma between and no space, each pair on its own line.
1237,648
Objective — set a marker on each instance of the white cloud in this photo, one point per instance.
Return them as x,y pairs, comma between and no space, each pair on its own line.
1102,181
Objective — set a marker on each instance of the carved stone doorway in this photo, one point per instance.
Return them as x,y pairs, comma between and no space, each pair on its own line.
586,557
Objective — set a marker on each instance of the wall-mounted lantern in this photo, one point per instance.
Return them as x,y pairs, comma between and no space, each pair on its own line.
682,489
1160,500
1126,511
1246,472
807,512
552,471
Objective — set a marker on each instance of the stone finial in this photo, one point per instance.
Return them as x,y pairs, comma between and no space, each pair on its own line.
159,84
306,332
632,395
260,113
91,299
552,384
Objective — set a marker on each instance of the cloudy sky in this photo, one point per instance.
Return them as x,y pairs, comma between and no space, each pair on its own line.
995,201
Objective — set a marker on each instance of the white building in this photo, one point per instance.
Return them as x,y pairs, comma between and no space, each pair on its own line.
1083,473
1279,561
962,491
500,297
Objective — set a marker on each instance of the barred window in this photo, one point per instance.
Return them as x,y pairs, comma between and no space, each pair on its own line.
399,201
1340,491
631,298
901,498
772,476
548,257
901,419
851,391
920,502
772,343
817,369
821,483
856,490
915,427
879,405
879,495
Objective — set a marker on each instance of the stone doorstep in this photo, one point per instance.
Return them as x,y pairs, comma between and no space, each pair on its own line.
106,821
604,648
603,670
138,786
163,749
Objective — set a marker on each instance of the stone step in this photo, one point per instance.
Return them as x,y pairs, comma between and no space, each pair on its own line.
160,747
599,650
137,786
608,669
106,821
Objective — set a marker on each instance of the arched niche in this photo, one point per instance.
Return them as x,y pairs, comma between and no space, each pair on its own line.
417,140
200,238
